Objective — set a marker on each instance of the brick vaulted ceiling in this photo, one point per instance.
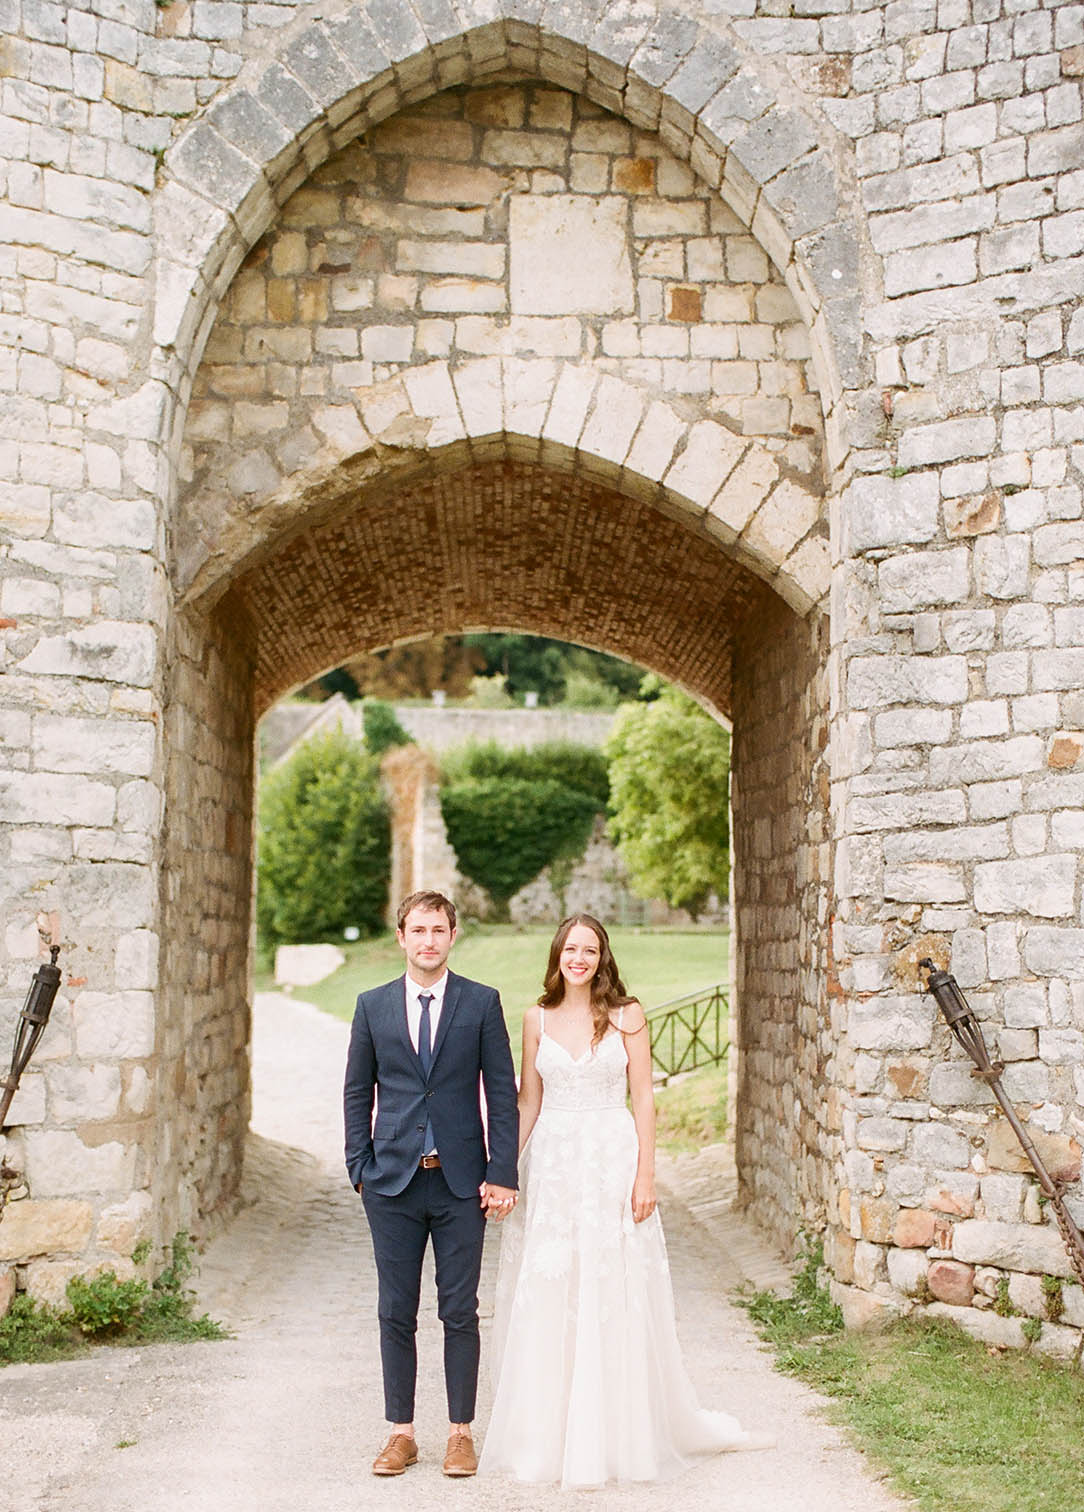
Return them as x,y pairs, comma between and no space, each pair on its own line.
505,545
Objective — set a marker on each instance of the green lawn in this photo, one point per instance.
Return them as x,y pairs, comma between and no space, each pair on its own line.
656,965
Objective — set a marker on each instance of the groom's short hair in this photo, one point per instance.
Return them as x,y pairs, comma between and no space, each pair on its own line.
431,902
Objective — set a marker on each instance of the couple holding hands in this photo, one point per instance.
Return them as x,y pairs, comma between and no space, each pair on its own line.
589,1383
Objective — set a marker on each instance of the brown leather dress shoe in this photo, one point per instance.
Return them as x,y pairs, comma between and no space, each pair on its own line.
399,1452
461,1458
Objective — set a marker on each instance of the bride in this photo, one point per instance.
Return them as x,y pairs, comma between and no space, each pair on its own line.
589,1381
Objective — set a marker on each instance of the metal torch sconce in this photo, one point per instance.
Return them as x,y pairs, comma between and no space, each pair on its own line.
31,1026
966,1029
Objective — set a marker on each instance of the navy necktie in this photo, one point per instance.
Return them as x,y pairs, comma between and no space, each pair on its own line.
425,1033
425,1058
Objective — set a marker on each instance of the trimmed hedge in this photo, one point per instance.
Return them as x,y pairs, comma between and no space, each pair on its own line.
504,830
324,846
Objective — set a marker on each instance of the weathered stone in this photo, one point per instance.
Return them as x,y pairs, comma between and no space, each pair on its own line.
46,1281
882,511
59,1164
863,1309
947,441
42,1227
116,1026
1012,1246
1043,887
123,1225
1060,1154
876,681
907,1269
122,653
569,254
914,1228
941,1147
891,1023
951,1282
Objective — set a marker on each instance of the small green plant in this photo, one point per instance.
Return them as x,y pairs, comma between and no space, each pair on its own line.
1003,1303
1053,1300
167,1311
31,1332
1032,1329
1012,488
808,1315
104,1309
103,1305
898,472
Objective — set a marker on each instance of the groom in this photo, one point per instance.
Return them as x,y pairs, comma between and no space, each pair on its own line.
419,1047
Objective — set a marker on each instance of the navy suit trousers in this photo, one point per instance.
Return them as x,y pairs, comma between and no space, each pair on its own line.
401,1226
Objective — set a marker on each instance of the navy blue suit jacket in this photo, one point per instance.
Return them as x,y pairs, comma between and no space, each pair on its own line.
470,1049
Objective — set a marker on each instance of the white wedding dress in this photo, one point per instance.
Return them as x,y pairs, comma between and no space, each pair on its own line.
588,1377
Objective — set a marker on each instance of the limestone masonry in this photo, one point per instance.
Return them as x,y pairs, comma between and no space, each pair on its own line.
744,339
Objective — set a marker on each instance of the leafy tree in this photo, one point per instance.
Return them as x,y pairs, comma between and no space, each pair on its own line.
535,663
325,844
382,729
504,830
413,671
529,663
555,670
669,772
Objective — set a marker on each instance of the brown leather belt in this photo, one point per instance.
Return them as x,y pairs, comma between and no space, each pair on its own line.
429,1163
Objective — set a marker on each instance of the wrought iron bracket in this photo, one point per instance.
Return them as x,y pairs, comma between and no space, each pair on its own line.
958,1015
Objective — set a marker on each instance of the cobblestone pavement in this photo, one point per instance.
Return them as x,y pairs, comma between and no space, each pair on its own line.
287,1414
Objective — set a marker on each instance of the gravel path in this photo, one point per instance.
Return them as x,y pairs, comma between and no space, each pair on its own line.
286,1415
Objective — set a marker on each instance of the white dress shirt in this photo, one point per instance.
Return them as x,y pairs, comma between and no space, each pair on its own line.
414,1007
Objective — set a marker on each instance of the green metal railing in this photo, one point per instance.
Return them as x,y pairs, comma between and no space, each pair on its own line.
689,1031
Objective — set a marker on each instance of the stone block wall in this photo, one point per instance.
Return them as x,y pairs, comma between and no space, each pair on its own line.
202,1100
442,729
786,1113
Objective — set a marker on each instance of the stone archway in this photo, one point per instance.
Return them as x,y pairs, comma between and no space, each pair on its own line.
520,544
346,487
731,504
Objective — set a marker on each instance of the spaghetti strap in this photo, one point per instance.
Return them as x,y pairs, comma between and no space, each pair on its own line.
620,1018
541,1022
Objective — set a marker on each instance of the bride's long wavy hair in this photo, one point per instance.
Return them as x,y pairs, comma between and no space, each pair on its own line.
608,991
